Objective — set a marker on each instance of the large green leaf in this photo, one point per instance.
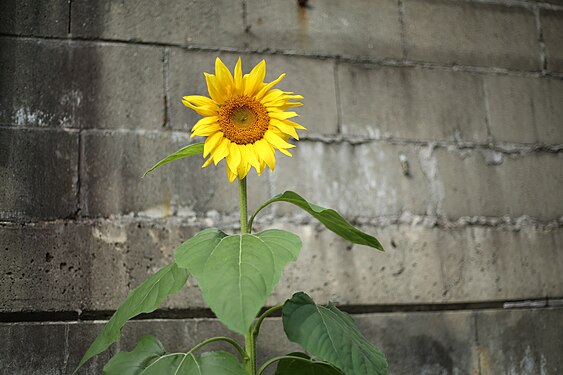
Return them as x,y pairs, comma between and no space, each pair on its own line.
148,358
331,335
190,150
238,273
146,298
147,350
304,366
193,253
329,217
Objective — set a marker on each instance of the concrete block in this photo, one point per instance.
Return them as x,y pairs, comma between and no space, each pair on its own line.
424,342
88,85
421,104
489,183
27,17
520,341
356,180
444,342
30,348
44,271
114,164
425,265
552,29
525,110
314,79
360,28
471,34
195,23
39,174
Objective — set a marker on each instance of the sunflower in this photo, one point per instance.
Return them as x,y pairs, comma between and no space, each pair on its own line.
245,119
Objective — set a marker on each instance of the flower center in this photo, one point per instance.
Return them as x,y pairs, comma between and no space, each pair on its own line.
243,120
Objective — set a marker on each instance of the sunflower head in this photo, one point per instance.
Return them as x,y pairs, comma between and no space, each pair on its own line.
245,119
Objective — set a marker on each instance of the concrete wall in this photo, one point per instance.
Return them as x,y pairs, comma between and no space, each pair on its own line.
435,124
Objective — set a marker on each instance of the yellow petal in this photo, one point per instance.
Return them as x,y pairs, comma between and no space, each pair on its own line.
243,170
230,175
213,88
201,104
272,96
205,121
284,151
224,76
250,156
265,89
265,152
233,158
255,79
211,143
286,128
295,125
207,130
221,151
282,115
276,141
289,105
239,84
207,162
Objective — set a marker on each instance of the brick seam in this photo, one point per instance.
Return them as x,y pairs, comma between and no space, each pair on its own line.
384,62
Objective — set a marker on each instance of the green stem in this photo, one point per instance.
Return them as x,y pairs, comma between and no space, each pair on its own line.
243,354
250,341
276,359
251,221
256,327
243,206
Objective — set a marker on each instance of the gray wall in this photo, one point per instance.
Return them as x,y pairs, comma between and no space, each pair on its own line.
437,125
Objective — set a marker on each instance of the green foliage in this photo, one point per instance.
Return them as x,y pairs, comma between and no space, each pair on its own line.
147,350
146,298
331,335
238,273
302,364
329,217
190,150
149,358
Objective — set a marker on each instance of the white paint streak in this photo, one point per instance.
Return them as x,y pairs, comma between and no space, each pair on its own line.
110,234
429,167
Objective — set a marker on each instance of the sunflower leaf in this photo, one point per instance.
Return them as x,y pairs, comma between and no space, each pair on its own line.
149,358
190,150
302,364
146,298
241,269
147,350
331,219
331,335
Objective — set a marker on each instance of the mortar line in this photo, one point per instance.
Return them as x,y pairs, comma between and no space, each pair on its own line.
487,111
382,221
476,327
384,62
245,24
503,147
539,29
199,313
403,31
69,16
167,123
338,99
79,177
66,354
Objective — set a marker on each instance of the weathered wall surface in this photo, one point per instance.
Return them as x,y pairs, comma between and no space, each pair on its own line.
435,124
